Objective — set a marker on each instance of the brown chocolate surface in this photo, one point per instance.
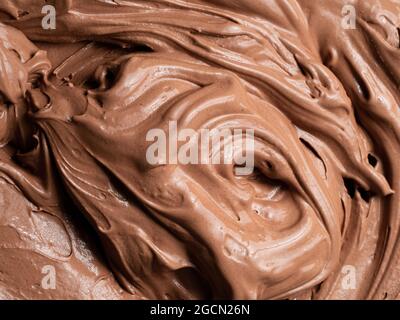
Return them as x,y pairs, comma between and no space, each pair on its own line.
77,191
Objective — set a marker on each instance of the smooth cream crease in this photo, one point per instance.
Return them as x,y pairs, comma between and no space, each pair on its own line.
78,194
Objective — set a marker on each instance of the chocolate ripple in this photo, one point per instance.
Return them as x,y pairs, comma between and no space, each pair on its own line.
78,192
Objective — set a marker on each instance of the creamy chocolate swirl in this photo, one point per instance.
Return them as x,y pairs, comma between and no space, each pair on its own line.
78,192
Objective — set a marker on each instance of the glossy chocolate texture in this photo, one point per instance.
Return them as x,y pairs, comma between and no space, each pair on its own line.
78,194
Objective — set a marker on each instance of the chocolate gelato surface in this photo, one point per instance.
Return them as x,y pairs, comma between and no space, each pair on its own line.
78,194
